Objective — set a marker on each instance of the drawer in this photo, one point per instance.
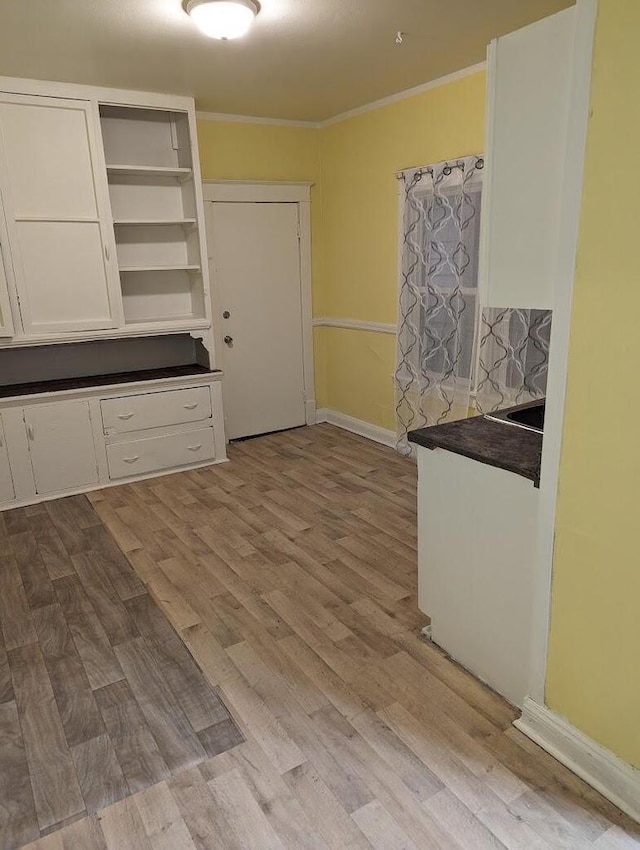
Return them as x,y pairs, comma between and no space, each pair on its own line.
155,410
152,454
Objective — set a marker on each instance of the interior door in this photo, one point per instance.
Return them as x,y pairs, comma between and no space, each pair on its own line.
7,492
61,446
54,194
255,263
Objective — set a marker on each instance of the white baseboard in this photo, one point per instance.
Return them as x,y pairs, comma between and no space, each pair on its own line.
357,426
613,778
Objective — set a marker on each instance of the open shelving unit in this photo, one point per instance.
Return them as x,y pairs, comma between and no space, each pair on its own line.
153,203
150,171
133,222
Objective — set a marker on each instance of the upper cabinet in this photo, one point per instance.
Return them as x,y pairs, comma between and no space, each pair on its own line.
529,90
6,320
101,214
57,216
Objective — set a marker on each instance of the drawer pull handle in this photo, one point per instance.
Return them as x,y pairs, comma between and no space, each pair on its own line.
195,448
125,415
31,433
131,459
191,406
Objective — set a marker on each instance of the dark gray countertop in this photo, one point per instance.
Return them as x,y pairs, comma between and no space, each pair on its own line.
494,443
65,384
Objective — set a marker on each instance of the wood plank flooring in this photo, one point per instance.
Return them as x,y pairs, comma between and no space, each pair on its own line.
99,698
290,574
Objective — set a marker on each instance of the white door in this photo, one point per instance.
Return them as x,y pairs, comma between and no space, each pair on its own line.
255,263
54,191
61,446
7,492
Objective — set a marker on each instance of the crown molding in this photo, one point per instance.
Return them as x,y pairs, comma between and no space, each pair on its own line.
255,119
403,95
352,113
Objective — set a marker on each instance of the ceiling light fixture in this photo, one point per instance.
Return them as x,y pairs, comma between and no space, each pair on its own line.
223,19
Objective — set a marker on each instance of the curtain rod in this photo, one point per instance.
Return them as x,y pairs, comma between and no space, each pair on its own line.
446,170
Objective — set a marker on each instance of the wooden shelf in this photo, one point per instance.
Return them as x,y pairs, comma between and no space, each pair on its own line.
135,222
172,268
150,171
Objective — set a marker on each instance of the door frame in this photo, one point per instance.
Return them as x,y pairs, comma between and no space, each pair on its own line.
265,192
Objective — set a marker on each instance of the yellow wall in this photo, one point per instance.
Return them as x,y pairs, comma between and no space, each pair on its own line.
232,150
354,218
359,157
594,656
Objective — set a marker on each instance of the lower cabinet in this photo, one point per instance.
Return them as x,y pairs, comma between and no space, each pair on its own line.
51,447
7,492
153,454
61,447
477,531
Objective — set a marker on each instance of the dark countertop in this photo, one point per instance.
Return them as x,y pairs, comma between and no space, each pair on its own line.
66,384
494,443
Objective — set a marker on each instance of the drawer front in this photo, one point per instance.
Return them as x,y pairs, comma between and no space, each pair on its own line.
155,410
153,454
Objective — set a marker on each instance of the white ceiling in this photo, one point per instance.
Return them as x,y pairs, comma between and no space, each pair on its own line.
303,59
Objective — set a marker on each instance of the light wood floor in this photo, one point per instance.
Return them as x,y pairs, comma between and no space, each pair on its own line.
290,573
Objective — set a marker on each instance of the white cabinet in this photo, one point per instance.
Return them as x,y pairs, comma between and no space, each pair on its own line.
152,454
528,103
55,202
477,529
61,446
7,492
6,320
79,440
101,214
155,410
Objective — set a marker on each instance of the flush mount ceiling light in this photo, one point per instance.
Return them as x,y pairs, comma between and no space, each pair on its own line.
223,19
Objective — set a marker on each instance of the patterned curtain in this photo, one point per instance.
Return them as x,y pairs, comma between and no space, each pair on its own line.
513,358
453,359
438,315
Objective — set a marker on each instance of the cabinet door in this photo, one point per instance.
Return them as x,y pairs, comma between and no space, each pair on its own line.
529,76
7,492
54,193
6,321
61,446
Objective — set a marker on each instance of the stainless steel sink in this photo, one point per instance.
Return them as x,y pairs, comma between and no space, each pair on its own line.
529,416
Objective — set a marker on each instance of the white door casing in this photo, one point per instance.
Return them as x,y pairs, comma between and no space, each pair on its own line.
61,446
57,215
260,274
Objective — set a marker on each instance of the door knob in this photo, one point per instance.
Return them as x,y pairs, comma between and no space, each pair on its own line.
228,339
